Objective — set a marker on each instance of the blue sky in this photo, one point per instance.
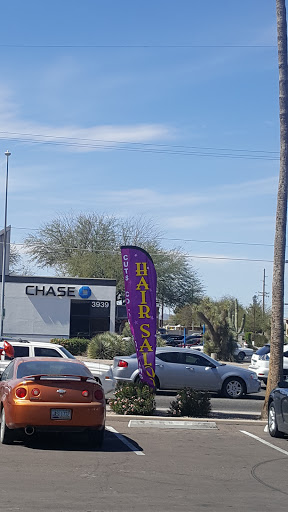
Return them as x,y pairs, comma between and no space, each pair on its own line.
134,82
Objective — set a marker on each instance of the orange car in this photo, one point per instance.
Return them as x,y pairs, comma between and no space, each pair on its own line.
50,394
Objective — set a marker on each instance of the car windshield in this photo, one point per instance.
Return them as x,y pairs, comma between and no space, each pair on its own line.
54,367
67,353
263,350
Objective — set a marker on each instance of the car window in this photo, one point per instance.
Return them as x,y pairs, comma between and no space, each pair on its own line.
52,368
196,360
285,354
171,357
46,352
67,353
8,372
263,350
19,351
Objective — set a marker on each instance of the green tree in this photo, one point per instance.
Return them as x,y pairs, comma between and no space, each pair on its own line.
88,245
277,321
255,321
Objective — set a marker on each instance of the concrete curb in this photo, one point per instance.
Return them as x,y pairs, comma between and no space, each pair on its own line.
227,421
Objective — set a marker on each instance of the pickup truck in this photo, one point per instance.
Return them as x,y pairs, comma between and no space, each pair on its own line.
27,348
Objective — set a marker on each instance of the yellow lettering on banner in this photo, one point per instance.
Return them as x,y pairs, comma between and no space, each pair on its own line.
143,313
142,282
151,374
146,347
146,364
146,332
143,297
143,271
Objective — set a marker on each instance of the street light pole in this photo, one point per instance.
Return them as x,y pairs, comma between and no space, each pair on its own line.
4,252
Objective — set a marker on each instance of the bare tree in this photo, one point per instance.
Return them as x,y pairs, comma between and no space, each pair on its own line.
277,320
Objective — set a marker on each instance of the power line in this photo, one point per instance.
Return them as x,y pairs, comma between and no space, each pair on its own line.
252,244
148,144
109,251
153,149
132,46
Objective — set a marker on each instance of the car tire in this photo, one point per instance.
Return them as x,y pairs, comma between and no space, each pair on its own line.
233,387
272,422
157,383
96,438
6,434
241,357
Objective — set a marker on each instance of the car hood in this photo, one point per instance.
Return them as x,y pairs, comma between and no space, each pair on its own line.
225,368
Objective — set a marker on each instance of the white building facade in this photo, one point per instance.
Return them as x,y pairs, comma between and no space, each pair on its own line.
46,307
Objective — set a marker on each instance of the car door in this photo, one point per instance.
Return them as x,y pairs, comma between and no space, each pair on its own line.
170,370
201,373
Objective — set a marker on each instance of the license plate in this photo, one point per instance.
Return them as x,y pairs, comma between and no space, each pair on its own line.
61,414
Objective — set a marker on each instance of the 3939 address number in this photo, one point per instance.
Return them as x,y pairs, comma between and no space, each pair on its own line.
100,304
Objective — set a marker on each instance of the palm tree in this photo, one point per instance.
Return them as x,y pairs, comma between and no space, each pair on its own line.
277,320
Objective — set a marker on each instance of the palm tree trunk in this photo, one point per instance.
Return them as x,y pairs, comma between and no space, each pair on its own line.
277,320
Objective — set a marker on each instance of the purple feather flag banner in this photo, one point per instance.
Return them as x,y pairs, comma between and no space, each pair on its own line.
140,280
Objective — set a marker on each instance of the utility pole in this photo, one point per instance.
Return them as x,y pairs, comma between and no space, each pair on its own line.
263,295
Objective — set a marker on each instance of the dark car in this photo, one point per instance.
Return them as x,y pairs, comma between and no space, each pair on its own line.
191,340
278,410
172,336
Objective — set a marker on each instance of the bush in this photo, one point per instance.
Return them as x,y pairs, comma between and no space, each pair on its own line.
109,345
260,340
133,399
77,346
191,403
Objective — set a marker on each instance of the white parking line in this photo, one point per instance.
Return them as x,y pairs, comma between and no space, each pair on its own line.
124,440
264,442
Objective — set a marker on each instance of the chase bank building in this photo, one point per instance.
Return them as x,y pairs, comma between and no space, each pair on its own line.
49,307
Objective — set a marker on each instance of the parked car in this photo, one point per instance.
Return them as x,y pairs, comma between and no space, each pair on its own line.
177,368
192,340
240,353
278,410
260,362
43,394
27,348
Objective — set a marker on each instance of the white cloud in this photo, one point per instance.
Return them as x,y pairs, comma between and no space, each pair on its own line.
19,128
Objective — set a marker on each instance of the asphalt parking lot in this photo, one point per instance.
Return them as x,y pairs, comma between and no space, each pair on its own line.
140,469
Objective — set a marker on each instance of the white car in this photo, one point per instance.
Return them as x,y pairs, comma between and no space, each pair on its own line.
240,353
260,362
27,348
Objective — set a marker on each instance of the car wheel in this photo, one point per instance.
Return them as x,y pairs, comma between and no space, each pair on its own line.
241,356
96,438
6,434
272,422
233,387
157,383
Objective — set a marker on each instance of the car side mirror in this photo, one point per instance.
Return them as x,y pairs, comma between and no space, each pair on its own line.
283,384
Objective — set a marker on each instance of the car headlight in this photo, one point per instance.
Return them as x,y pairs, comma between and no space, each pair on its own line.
253,375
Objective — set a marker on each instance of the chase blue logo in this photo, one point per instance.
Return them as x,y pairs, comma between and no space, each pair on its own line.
85,292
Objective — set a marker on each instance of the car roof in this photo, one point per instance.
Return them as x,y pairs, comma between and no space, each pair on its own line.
177,349
20,342
55,359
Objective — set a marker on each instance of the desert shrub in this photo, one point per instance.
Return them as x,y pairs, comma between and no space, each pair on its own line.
260,340
77,346
191,403
126,330
133,399
109,345
161,342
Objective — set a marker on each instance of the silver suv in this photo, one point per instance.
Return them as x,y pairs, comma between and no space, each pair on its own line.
26,348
